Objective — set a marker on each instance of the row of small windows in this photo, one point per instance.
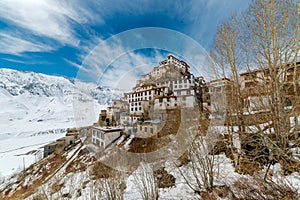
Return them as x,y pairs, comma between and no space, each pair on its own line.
167,104
175,82
168,99
139,103
181,86
136,108
140,94
146,129
129,118
98,134
180,93
181,81
98,143
140,99
164,83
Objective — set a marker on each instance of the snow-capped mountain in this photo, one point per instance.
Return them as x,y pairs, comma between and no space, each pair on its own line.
32,102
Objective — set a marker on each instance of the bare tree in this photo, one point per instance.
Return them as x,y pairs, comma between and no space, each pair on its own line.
113,186
273,35
200,174
229,57
146,181
265,37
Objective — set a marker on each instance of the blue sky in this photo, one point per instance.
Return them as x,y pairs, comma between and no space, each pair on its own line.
56,36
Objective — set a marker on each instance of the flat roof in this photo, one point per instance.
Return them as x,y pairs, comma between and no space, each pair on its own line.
108,129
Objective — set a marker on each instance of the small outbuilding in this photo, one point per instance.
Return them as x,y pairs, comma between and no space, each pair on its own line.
53,147
105,136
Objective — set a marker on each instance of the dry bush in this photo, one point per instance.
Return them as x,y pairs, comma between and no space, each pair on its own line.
257,188
201,167
146,182
113,186
222,146
164,179
99,170
289,166
39,197
106,182
144,145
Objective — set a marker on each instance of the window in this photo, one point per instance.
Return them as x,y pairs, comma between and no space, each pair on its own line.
145,129
151,130
140,108
139,103
135,109
178,92
180,86
131,109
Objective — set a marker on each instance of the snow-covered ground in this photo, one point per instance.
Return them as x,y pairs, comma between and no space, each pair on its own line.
19,152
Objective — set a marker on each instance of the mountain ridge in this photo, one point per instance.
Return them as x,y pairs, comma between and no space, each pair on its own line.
34,102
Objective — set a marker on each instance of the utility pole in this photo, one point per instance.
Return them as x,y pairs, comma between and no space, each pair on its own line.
23,163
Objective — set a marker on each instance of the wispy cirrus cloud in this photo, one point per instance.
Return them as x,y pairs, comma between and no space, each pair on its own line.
46,20
14,45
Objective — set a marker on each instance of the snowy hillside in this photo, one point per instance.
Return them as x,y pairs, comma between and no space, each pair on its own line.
36,102
37,109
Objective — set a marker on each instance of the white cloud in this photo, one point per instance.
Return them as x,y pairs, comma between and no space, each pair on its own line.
14,45
128,68
79,67
206,15
111,64
46,18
